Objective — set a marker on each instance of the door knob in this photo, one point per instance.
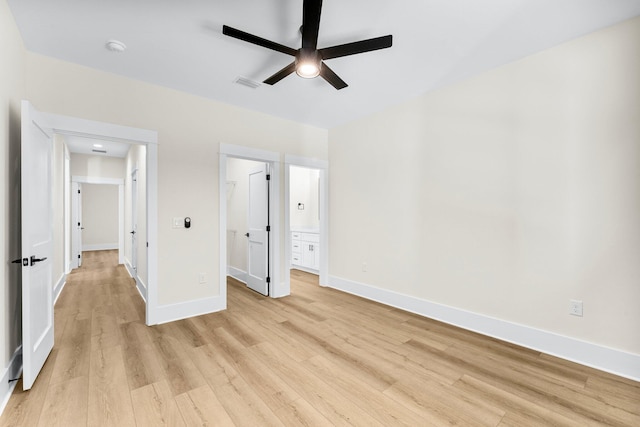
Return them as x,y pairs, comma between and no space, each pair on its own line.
246,234
33,259
132,232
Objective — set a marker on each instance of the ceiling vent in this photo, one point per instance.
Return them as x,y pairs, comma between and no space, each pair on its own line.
99,151
247,82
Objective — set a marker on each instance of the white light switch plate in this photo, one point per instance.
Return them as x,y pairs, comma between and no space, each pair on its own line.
178,222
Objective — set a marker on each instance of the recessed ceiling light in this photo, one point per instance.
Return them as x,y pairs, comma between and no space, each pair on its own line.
97,145
115,46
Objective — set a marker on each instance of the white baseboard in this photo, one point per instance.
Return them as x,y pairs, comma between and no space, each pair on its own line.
236,273
308,270
593,355
142,289
12,371
172,312
100,247
129,268
57,289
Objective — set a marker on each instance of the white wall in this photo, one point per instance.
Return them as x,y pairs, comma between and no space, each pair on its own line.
237,205
304,188
190,130
100,216
12,90
505,195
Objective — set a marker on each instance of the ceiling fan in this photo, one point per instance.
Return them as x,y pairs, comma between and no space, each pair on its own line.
309,60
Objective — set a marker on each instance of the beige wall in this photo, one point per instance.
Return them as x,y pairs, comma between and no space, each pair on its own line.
12,90
507,194
304,188
97,166
99,215
190,130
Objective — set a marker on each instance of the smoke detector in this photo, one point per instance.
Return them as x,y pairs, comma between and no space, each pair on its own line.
115,46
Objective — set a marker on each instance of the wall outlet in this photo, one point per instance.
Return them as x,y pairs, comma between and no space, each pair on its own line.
202,278
575,307
364,267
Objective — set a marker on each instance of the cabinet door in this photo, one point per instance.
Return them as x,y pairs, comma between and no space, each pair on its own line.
311,255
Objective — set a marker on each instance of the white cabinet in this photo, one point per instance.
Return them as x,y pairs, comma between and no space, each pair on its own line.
305,250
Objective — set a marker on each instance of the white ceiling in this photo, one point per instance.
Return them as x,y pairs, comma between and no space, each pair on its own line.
179,44
82,145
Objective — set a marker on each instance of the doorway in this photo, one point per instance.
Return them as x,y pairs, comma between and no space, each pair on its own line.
306,217
232,230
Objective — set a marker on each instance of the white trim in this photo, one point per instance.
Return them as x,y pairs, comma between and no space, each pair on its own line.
97,180
121,224
14,370
100,247
593,355
59,286
249,153
323,167
142,288
183,310
129,268
236,273
273,159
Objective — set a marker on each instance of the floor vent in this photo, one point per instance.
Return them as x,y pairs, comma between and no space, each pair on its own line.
247,82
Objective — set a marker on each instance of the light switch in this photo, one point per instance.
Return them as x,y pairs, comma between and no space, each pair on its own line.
178,222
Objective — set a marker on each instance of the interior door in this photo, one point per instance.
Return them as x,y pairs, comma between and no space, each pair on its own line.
76,219
37,243
134,221
258,235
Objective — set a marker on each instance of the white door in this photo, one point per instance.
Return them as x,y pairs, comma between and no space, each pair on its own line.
76,220
37,244
134,221
258,236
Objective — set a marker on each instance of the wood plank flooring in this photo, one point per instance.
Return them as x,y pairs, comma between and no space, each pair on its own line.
319,357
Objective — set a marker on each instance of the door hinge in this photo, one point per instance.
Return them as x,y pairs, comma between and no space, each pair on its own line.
268,177
268,279
268,228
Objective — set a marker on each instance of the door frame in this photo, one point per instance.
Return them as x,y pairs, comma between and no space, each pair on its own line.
73,126
276,288
323,196
108,181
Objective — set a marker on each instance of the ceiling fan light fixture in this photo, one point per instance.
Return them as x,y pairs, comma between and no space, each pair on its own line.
308,64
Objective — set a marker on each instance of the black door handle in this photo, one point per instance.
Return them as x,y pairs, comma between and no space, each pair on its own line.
132,232
34,259
246,234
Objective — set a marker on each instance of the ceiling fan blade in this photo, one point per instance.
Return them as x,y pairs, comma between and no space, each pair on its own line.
281,74
239,34
356,47
311,23
331,77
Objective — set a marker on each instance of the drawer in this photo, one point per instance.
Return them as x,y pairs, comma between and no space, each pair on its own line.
295,236
296,259
310,237
296,246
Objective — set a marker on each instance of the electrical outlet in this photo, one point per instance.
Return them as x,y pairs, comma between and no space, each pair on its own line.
575,307
202,278
364,267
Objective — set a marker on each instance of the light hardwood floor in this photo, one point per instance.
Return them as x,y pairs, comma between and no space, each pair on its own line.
319,357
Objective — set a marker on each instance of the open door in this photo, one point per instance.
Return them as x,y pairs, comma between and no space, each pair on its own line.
76,220
134,222
37,244
258,236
